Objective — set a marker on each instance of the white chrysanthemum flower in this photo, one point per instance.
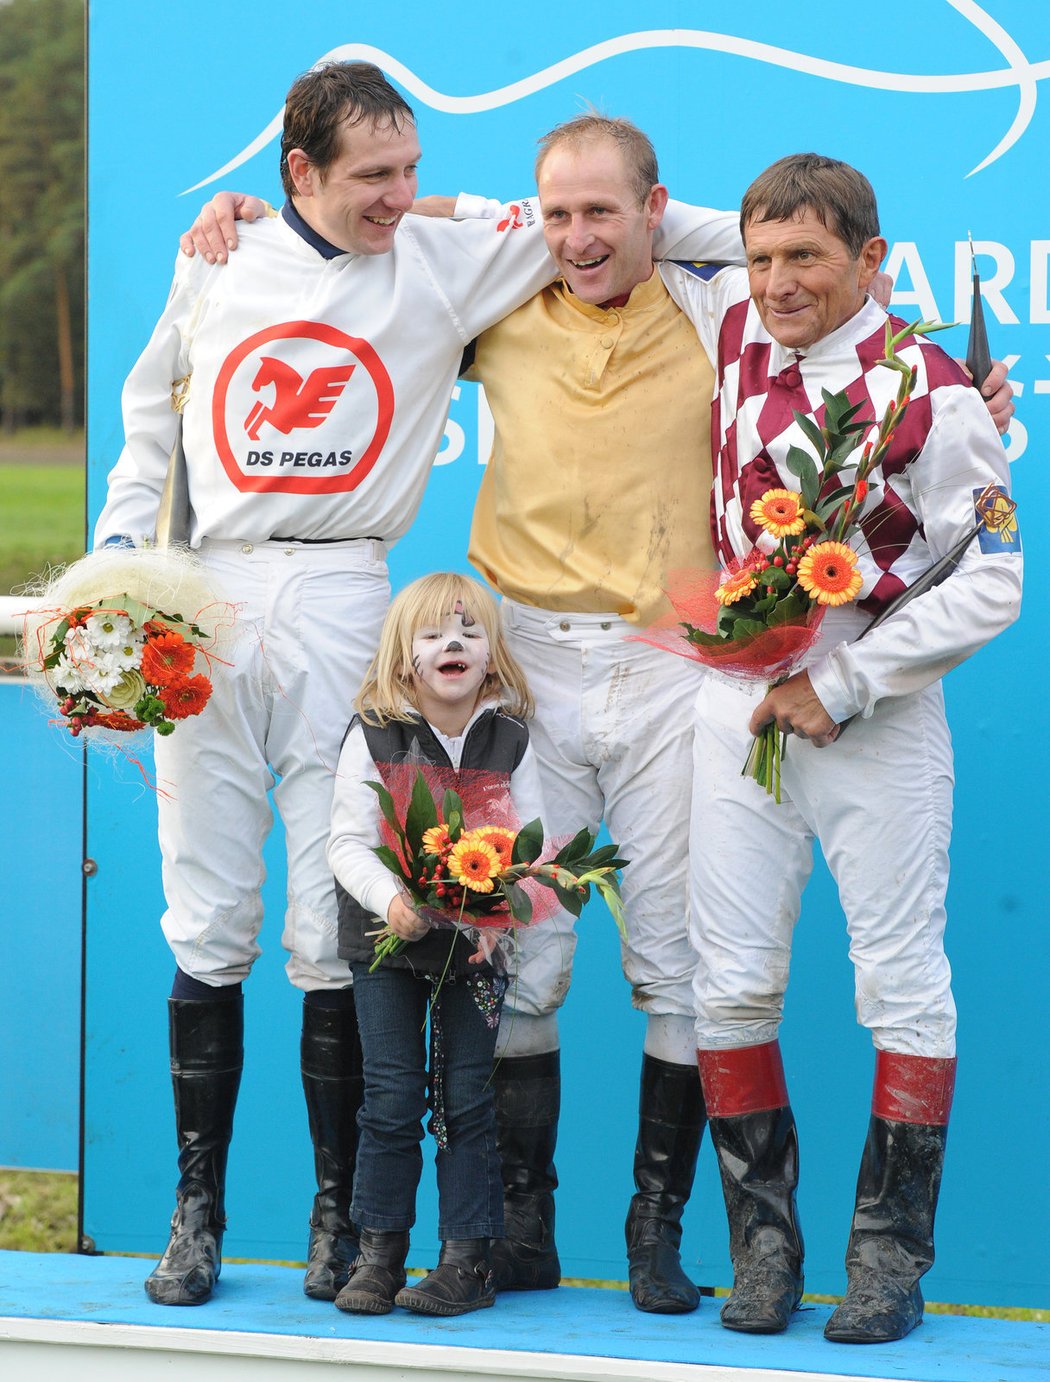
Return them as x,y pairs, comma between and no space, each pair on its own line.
108,629
66,673
130,654
103,674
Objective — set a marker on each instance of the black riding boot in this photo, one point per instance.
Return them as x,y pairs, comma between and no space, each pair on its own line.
753,1130
891,1241
461,1281
207,1054
333,1083
671,1121
527,1093
378,1273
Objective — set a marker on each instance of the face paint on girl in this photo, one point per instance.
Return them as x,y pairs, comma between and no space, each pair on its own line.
449,661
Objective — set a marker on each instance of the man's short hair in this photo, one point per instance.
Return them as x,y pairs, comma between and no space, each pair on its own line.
837,194
323,100
639,156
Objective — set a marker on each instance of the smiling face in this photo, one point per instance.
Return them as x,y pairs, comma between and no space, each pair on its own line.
803,278
598,234
450,659
357,203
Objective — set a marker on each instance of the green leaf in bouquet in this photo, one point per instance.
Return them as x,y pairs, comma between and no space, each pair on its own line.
840,414
701,637
801,463
136,611
569,899
452,810
421,814
528,843
519,903
813,435
604,857
390,859
746,628
575,850
386,805
792,609
830,502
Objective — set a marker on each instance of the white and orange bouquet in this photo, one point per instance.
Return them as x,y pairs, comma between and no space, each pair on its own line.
485,879
114,647
765,611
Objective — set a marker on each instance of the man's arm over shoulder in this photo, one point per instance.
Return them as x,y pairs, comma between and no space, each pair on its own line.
698,233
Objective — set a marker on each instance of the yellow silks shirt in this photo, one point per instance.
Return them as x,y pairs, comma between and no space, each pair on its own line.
600,476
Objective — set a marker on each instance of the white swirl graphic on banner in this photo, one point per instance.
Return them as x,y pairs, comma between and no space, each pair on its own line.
1019,73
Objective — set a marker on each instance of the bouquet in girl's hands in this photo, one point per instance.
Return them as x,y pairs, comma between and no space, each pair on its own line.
766,610
483,879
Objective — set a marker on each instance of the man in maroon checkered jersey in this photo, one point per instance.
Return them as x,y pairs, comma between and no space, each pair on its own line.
798,321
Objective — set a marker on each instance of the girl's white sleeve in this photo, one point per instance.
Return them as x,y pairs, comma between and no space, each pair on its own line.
355,829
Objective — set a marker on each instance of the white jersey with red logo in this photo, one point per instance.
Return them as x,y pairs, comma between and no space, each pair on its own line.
319,386
921,500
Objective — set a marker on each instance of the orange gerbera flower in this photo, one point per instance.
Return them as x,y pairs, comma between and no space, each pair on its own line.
167,658
475,864
736,586
435,840
501,840
185,696
779,511
828,572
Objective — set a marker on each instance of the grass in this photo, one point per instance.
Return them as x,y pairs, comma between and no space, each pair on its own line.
42,481
43,520
38,1211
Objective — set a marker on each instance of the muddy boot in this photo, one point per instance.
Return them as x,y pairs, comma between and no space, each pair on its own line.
671,1121
333,1083
891,1241
207,1054
754,1135
527,1093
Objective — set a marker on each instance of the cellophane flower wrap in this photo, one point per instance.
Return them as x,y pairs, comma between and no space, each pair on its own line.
489,876
123,641
756,619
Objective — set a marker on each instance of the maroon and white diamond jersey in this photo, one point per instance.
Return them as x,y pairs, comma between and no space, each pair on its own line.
920,500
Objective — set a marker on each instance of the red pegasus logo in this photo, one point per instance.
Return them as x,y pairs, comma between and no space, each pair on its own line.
513,219
297,403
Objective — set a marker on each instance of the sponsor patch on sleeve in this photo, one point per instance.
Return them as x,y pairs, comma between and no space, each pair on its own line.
996,513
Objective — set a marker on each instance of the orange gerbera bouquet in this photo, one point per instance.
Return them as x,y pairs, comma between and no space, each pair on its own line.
485,878
766,610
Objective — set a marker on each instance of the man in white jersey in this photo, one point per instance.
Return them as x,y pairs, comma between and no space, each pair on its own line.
312,418
322,362
796,326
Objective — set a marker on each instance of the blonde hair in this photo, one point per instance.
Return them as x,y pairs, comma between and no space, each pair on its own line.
387,692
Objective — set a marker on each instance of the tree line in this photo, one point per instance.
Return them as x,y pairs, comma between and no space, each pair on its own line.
42,294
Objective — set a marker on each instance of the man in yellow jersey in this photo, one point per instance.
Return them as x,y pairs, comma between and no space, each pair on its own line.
598,484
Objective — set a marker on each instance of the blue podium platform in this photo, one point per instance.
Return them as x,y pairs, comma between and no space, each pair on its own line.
88,1317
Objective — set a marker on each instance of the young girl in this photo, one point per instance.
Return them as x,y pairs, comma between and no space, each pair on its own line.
442,693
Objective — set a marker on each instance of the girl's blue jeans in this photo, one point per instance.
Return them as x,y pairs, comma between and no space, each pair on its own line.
392,1011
